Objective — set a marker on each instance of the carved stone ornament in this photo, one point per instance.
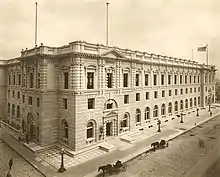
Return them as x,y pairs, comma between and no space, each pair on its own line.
64,68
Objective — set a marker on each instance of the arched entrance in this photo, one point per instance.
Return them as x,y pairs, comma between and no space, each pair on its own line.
110,118
30,127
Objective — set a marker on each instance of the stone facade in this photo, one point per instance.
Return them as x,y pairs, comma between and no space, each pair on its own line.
44,93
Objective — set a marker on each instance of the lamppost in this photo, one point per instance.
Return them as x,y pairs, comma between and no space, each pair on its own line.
181,116
62,168
209,107
197,112
158,123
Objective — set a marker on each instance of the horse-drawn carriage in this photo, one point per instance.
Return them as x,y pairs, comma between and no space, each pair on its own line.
157,145
113,169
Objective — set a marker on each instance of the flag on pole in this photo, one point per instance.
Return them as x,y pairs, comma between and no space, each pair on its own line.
202,49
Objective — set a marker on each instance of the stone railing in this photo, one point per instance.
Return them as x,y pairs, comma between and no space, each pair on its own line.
11,130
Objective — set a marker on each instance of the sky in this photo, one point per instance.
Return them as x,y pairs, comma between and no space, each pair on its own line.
166,27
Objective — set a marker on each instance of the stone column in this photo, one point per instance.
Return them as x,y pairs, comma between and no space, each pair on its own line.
101,76
43,74
118,75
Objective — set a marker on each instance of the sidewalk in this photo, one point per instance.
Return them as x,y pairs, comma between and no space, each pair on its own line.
89,168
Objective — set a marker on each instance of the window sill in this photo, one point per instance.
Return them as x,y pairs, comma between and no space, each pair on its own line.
138,124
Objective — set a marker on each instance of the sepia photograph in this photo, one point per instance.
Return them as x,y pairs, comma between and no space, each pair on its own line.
109,88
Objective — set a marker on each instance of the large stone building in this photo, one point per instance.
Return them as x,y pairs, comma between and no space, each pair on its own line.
81,93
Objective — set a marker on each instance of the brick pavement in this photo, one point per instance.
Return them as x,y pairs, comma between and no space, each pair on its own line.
89,168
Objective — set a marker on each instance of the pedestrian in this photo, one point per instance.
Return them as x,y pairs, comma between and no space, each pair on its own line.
210,113
27,138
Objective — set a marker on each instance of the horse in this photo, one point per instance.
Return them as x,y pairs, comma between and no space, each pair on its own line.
105,168
155,144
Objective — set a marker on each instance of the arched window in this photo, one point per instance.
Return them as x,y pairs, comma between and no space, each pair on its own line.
186,104
195,101
155,112
90,130
198,101
170,108
13,109
65,128
163,107
191,102
181,105
147,113
176,106
124,122
18,111
9,107
138,115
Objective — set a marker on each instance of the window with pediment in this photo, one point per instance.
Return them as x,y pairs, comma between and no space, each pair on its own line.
162,79
191,103
146,79
91,70
138,115
186,103
31,80
176,106
163,109
110,77
170,108
126,74
186,77
155,111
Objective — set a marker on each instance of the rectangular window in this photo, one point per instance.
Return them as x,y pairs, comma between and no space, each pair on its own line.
64,103
205,79
109,105
23,98
90,80
169,79
194,79
31,80
198,79
9,80
186,90
38,102
19,79
91,103
38,81
147,96
155,79
162,79
109,81
126,99
125,80
175,79
13,94
185,79
181,79
137,79
8,94
198,89
137,96
195,89
206,89
18,95
176,91
163,93
14,81
190,79
181,91
190,90
146,80
66,80
30,100
170,92
155,94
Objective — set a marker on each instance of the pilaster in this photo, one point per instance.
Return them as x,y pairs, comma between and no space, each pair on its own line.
43,74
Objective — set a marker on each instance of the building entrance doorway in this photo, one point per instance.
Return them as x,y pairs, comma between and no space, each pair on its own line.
109,129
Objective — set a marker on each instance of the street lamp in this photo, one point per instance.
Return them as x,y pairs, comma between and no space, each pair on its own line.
197,112
181,116
62,168
158,123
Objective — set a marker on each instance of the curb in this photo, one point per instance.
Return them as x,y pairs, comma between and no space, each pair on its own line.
26,159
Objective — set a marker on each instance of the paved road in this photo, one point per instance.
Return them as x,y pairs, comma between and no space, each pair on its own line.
21,168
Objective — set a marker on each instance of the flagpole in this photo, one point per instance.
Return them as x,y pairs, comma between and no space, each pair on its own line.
107,4
192,54
36,26
207,55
